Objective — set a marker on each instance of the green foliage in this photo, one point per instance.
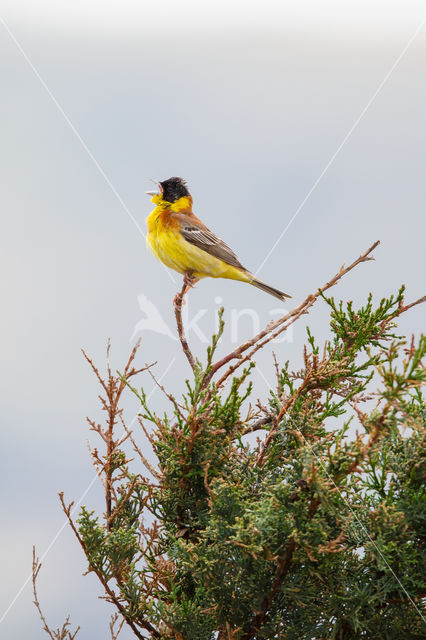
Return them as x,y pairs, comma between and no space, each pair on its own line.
315,531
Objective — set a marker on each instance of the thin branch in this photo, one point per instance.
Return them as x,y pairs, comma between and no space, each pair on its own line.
113,387
123,501
260,423
273,329
115,632
308,384
98,464
404,308
178,407
64,632
110,593
145,462
178,301
95,370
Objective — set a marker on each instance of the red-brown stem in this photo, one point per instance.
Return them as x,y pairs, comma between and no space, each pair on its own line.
145,624
287,404
273,329
113,387
177,303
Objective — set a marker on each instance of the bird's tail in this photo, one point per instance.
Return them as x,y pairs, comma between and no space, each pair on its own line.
265,287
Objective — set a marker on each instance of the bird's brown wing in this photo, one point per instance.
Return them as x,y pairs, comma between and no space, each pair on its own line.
204,239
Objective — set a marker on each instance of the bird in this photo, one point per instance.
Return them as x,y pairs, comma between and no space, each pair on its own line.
182,242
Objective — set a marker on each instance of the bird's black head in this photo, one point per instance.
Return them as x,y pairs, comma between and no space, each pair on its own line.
173,189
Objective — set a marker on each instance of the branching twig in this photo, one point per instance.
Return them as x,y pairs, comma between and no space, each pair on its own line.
308,383
145,462
113,387
115,632
110,593
64,632
273,329
178,407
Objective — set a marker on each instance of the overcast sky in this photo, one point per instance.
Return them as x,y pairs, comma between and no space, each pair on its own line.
363,17
297,121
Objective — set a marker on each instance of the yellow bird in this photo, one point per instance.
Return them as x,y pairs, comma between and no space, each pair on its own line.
182,242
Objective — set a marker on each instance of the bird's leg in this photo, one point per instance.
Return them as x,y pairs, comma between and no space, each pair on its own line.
189,279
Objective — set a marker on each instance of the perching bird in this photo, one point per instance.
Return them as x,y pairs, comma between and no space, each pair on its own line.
183,243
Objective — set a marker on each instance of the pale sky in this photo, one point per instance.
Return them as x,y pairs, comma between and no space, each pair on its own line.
303,121
345,17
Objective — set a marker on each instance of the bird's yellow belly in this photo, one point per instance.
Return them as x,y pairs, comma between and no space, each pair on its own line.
182,256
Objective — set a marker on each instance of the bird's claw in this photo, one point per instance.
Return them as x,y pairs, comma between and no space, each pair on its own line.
189,280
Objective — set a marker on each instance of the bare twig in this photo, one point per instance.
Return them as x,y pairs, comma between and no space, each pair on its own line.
98,464
145,624
113,386
178,301
63,633
178,407
145,462
115,632
273,329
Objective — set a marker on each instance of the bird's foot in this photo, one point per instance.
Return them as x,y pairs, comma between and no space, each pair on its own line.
189,280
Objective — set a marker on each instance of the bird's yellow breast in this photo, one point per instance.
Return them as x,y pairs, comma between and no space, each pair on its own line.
168,245
163,239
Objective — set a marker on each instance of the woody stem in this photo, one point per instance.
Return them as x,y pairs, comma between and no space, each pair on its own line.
188,282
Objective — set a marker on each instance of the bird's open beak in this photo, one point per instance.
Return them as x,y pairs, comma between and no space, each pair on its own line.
159,189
